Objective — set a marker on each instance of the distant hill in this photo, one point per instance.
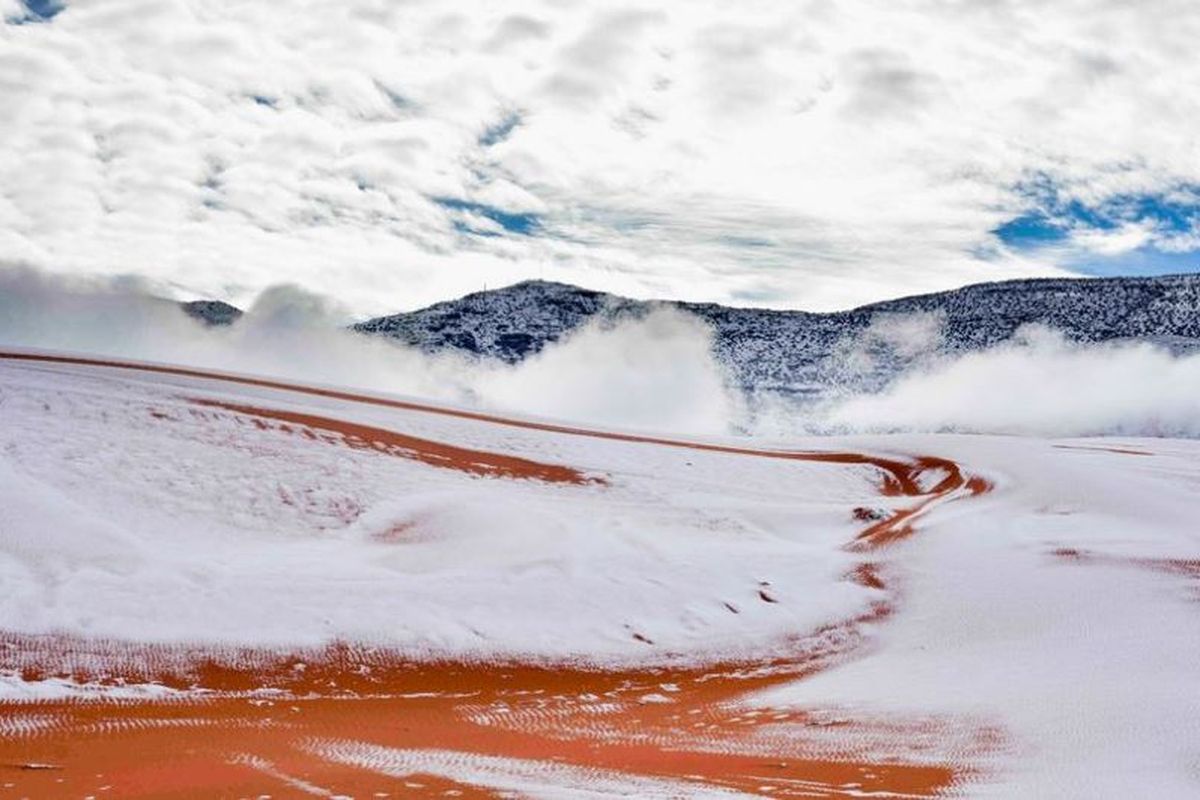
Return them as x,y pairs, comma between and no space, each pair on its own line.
802,353
211,312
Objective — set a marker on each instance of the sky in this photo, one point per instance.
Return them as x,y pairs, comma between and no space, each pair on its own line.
815,155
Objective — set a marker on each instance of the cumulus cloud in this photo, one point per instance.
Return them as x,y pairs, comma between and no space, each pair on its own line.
797,154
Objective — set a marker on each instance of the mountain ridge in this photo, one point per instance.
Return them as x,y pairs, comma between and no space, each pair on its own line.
804,353
813,353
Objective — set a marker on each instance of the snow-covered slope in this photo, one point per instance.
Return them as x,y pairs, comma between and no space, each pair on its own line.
246,530
799,353
298,590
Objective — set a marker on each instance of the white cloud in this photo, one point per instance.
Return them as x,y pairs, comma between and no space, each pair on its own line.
1116,241
815,154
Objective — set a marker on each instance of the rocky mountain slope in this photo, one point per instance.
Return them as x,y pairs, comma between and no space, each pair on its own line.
212,312
800,353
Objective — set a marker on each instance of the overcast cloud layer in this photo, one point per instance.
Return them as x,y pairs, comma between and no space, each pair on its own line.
390,154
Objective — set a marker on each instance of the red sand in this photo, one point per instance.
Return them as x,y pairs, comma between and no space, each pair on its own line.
231,746
193,749
588,717
1187,567
434,454
1125,451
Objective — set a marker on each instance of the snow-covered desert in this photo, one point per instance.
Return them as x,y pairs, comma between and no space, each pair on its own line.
226,585
596,399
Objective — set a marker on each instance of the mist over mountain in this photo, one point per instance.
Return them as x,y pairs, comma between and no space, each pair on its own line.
800,354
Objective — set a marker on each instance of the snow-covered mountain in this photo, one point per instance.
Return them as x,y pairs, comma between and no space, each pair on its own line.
801,353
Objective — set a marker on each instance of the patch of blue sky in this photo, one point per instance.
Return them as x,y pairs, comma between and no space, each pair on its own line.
1140,261
1054,220
521,223
499,132
38,11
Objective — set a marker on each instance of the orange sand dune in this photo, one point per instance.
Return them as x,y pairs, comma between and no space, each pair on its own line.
678,723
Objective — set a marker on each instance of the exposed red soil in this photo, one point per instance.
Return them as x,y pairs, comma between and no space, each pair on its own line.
900,524
1125,451
682,723
867,574
1187,567
434,454
209,749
